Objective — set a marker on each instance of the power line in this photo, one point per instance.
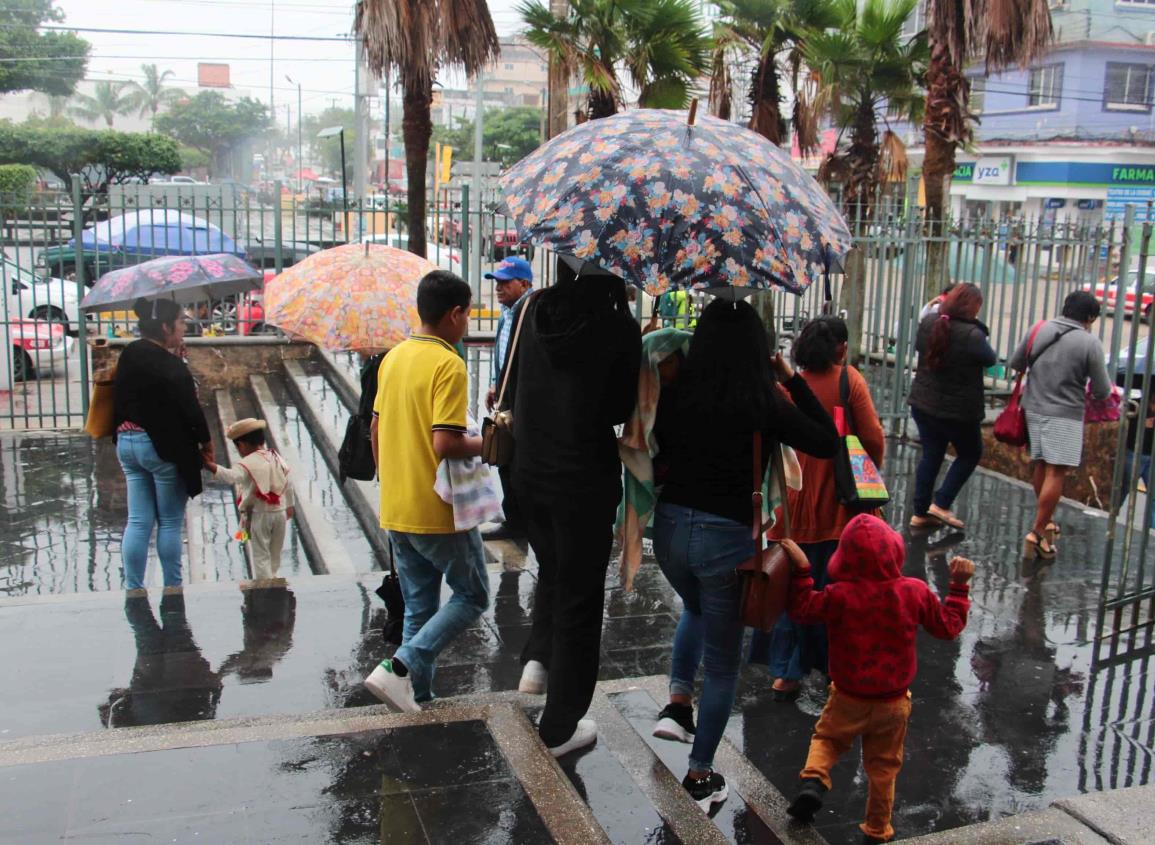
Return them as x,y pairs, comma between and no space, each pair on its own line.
344,39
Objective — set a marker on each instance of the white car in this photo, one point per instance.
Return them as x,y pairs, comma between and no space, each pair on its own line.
445,257
37,347
37,297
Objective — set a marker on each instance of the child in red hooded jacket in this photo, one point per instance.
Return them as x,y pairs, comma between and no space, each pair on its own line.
872,614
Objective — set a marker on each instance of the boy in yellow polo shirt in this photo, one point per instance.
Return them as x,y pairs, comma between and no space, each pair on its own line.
419,419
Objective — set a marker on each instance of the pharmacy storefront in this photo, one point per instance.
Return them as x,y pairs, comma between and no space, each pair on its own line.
1095,189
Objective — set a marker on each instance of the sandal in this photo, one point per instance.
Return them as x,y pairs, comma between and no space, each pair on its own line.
926,521
1035,546
789,692
946,517
1053,531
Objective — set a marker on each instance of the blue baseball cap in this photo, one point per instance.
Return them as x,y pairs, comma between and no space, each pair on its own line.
511,268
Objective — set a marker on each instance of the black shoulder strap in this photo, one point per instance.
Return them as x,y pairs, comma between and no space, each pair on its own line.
844,397
1034,359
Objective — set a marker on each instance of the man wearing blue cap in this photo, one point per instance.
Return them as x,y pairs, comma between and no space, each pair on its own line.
513,280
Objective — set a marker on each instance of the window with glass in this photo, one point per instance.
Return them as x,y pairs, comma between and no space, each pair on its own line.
1045,86
1128,87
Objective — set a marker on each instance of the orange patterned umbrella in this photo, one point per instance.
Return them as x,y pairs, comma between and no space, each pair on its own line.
356,296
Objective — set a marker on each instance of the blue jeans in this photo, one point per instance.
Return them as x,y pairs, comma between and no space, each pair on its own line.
1144,473
156,496
935,434
698,553
423,560
796,649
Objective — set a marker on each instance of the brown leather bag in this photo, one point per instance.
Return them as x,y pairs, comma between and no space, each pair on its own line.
101,420
766,575
497,430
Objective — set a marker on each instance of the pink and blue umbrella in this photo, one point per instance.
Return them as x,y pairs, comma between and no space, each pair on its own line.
183,279
666,205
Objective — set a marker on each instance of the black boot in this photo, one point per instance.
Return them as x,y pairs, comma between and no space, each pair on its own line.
808,801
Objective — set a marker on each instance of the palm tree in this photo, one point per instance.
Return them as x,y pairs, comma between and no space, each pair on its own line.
417,37
867,71
152,94
1005,33
661,43
105,103
769,28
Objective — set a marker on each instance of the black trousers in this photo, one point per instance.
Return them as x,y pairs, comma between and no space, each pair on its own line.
514,518
571,537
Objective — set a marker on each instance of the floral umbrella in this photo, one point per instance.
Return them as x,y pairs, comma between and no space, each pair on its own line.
666,204
184,279
356,296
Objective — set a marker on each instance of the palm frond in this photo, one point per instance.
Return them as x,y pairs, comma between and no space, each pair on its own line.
893,163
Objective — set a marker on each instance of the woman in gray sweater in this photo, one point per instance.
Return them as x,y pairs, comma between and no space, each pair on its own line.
1063,356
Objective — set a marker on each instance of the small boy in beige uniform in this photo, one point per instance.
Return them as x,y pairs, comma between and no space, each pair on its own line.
264,494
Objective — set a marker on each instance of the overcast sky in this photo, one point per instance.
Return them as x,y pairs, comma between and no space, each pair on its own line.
324,70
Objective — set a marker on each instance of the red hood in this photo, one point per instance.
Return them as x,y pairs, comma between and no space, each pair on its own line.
870,550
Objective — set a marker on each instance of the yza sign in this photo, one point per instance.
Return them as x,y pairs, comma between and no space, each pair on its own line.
993,170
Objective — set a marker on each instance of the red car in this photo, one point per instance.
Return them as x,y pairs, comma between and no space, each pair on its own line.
244,315
37,345
1107,292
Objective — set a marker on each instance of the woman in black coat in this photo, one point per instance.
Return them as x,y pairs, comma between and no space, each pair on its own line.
161,438
946,401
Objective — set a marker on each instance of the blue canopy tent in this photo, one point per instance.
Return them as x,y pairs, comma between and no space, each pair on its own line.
153,232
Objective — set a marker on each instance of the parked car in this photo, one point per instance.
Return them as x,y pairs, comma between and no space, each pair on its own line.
503,243
37,346
243,315
263,255
1107,294
41,298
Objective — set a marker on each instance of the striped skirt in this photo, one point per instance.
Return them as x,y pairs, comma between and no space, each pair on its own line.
1055,440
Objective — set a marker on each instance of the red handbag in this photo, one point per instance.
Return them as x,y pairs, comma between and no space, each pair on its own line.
1011,424
766,575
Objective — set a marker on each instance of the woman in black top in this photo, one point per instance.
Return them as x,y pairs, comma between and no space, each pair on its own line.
703,524
161,438
946,401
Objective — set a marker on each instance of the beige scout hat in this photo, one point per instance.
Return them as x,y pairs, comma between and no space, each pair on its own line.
242,427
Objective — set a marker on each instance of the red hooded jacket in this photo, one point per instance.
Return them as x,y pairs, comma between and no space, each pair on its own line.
872,612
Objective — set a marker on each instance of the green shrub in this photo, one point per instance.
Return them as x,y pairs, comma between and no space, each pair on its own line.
16,184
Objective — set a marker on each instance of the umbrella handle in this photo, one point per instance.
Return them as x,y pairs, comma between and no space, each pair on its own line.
693,112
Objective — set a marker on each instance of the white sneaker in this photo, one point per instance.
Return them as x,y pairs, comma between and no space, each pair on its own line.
585,734
391,689
533,678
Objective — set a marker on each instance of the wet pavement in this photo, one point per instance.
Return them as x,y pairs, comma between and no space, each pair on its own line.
1007,719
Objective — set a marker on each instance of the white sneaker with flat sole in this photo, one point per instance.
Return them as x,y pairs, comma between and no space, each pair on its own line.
534,678
585,734
391,688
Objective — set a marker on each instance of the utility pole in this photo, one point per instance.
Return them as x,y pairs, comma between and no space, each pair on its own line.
558,82
300,140
272,102
361,78
478,140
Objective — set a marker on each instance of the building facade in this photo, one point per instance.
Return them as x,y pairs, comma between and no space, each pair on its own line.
1073,136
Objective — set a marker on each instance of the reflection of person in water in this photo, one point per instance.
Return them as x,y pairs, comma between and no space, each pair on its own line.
1021,682
172,681
269,615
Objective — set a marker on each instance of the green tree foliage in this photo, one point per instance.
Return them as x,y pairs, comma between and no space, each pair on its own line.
106,102
192,159
509,135
51,62
210,123
662,44
100,157
151,95
16,184
868,71
328,150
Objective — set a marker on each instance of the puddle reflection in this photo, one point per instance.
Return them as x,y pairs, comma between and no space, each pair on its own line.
172,681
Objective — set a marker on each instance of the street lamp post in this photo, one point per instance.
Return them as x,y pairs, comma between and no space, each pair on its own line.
300,144
339,131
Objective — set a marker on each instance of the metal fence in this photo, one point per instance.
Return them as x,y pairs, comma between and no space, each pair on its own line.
1025,268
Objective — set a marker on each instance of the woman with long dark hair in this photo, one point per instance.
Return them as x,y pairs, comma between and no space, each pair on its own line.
816,512
727,390
946,402
161,438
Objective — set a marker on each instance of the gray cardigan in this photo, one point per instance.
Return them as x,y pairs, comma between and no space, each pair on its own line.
1060,368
